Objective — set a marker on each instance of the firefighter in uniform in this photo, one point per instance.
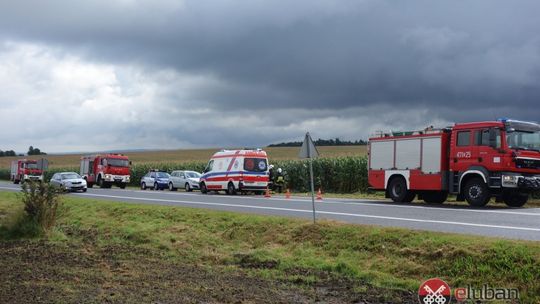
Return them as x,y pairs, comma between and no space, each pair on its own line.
279,181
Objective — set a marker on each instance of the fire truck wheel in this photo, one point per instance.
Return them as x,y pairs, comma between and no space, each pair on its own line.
102,183
515,199
476,192
398,191
122,186
143,186
204,190
90,185
230,189
435,197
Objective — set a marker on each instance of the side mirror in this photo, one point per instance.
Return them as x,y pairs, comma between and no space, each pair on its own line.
493,138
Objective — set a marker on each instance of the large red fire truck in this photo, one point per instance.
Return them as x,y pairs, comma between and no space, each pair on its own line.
25,169
106,170
475,161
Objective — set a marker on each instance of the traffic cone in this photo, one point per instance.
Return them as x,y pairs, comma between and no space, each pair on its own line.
267,194
319,195
288,194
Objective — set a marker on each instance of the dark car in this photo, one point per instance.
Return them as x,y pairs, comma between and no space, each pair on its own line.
156,180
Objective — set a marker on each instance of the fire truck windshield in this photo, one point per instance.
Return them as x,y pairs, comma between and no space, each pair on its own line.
115,162
523,140
30,166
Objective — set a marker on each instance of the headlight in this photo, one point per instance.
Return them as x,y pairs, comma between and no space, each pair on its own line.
510,180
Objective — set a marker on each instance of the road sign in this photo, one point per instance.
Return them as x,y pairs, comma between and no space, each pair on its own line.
310,152
308,149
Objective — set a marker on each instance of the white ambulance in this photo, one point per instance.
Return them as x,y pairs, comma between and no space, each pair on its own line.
236,171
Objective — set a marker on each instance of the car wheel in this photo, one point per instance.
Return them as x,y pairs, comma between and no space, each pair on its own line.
230,189
476,192
204,190
84,190
143,186
515,199
398,191
188,188
171,187
156,187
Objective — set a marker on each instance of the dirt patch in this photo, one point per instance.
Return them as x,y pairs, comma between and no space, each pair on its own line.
40,271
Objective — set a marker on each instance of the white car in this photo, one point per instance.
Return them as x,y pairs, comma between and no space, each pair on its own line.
68,181
188,180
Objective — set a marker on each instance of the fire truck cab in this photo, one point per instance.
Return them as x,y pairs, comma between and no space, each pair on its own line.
475,161
106,170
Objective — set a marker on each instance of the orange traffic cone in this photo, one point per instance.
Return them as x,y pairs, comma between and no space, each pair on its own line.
267,194
288,194
319,195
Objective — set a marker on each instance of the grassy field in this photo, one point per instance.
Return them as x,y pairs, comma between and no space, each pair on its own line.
172,156
117,252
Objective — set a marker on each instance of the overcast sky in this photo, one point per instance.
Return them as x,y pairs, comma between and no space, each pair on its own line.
127,74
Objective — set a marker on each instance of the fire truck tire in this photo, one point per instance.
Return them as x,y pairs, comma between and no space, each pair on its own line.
476,192
398,191
90,185
204,190
122,186
515,199
438,197
16,181
102,183
230,189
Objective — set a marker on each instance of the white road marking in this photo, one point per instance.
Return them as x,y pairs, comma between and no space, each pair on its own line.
319,212
356,202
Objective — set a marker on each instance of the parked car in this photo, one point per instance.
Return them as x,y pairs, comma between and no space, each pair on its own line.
156,180
68,181
188,180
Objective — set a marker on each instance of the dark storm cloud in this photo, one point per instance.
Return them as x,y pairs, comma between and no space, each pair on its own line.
457,60
319,54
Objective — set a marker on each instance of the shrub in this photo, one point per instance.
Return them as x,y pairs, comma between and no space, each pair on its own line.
41,202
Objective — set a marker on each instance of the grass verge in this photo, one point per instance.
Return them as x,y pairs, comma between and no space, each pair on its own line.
116,252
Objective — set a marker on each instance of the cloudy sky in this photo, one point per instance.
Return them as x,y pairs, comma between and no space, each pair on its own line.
126,74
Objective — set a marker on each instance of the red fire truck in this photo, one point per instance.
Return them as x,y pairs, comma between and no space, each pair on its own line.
105,170
25,169
475,161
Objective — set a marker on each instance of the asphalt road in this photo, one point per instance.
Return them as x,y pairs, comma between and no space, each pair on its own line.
497,222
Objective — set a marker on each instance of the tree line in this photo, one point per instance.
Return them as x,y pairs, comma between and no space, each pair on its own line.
323,142
31,151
